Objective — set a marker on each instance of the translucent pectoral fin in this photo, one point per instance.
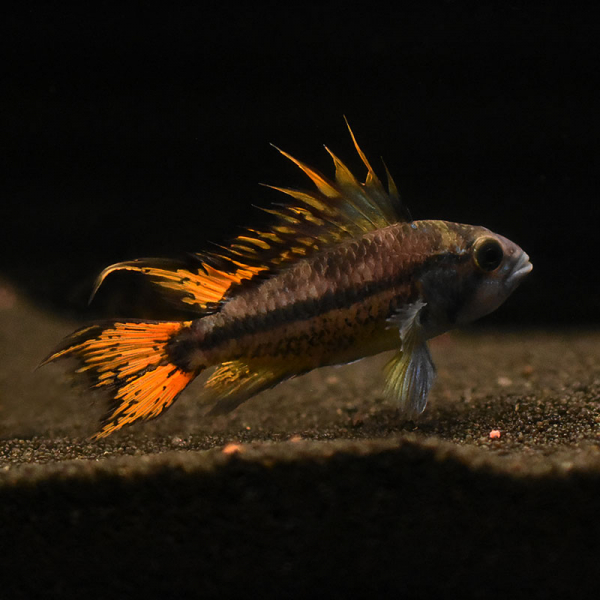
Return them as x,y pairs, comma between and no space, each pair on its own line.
409,377
411,372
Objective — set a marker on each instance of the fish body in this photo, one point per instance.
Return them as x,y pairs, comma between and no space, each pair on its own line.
336,306
343,273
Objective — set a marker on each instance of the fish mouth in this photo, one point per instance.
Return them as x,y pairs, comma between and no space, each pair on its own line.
519,271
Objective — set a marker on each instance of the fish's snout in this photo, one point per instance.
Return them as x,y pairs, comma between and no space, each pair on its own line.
521,268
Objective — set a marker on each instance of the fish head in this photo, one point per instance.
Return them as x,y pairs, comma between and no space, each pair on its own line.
493,268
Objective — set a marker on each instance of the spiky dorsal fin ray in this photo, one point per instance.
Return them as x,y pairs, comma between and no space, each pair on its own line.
312,221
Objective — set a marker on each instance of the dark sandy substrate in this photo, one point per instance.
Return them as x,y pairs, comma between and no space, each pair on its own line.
315,486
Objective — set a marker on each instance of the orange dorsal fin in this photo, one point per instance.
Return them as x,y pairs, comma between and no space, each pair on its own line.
311,221
337,210
195,283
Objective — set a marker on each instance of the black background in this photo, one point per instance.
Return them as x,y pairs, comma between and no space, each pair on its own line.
143,131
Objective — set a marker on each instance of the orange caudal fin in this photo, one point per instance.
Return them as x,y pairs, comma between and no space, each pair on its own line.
130,360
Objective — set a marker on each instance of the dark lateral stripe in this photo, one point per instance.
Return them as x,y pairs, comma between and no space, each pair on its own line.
314,307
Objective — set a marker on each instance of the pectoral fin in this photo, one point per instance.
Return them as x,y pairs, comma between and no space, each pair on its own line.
411,372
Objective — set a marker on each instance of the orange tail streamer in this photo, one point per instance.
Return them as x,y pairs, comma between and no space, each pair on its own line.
130,360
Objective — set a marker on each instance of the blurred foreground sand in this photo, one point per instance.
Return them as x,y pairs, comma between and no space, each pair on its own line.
314,483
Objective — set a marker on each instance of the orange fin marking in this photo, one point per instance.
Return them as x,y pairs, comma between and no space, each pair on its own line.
131,360
342,173
324,186
371,177
200,288
146,397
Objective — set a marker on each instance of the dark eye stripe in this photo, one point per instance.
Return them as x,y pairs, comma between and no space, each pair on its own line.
337,299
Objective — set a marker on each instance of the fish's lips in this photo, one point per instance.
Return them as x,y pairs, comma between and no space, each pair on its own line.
522,268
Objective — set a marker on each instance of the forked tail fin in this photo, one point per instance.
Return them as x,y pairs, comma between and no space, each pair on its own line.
130,360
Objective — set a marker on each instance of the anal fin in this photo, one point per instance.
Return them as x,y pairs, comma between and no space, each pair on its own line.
234,382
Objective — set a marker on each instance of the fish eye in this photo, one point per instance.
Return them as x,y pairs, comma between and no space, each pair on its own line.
488,254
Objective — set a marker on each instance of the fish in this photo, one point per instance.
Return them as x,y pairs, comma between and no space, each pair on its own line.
342,272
